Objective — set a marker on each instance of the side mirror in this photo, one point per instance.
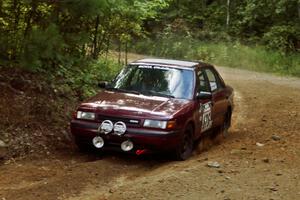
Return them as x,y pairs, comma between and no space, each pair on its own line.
204,95
103,84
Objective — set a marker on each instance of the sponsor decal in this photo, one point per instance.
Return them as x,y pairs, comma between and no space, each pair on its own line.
205,116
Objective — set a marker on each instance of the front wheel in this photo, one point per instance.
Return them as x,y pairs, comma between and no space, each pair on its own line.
84,147
185,148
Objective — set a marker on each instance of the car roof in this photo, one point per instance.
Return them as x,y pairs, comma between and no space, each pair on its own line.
165,62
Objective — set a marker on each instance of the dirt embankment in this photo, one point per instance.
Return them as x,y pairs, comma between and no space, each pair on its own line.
34,115
259,160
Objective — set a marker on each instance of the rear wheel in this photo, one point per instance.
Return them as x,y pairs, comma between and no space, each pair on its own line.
185,148
226,124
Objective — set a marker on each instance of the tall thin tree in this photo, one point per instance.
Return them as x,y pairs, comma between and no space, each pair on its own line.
228,13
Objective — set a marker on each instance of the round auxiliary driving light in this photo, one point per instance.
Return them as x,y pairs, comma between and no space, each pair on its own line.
119,128
106,127
127,145
98,142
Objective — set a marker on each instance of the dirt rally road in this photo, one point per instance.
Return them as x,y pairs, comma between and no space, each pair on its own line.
265,106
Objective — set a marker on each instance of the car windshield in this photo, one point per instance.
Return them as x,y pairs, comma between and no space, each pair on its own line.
155,81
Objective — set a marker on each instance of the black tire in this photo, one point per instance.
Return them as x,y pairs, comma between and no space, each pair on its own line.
84,147
226,124
185,148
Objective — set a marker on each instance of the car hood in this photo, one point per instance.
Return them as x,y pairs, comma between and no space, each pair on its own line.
127,104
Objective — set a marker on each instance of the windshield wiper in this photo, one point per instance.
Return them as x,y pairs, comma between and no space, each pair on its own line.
154,93
123,90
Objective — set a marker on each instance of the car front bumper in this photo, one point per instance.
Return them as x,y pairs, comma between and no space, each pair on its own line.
157,140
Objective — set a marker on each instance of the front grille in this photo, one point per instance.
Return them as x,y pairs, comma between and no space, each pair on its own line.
128,121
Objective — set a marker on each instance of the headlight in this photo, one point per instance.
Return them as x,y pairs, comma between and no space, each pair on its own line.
85,115
155,124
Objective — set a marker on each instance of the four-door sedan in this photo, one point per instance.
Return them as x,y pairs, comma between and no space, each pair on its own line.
155,105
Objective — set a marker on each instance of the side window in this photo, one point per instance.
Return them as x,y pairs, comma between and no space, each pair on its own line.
213,80
203,84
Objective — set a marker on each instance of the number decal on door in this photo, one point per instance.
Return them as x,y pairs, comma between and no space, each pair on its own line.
206,116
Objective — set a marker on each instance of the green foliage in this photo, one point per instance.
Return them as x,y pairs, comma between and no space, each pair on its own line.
232,54
83,82
149,9
282,37
64,39
247,21
46,34
43,47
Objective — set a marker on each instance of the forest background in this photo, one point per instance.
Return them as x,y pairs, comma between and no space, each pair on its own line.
68,42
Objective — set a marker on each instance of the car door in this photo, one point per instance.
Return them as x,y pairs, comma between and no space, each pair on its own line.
204,107
219,100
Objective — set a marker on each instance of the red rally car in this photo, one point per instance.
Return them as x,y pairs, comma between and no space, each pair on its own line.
155,105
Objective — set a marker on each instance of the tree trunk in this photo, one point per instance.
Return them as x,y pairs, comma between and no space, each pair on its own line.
126,53
203,4
228,14
56,13
95,40
101,43
29,18
83,51
119,53
107,47
299,9
16,9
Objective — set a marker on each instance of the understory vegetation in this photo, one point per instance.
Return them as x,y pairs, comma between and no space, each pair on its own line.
230,54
